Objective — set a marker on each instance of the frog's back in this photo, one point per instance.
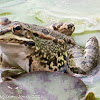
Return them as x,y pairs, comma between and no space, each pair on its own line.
46,33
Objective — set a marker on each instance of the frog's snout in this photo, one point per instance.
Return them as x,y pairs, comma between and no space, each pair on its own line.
4,21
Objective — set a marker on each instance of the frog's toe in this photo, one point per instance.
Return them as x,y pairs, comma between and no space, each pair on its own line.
11,74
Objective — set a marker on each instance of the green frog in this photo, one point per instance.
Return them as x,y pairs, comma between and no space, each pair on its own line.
30,47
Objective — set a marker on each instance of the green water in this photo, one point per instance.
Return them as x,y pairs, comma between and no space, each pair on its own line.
84,14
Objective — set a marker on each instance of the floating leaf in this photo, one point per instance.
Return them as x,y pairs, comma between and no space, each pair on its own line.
86,32
43,86
97,98
5,13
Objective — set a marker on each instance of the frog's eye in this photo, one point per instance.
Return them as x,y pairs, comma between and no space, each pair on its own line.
17,28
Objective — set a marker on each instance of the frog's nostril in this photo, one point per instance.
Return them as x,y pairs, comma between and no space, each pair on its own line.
4,21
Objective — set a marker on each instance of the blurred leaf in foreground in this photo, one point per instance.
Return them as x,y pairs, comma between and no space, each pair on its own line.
43,86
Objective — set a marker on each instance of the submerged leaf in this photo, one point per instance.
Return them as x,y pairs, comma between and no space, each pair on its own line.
43,86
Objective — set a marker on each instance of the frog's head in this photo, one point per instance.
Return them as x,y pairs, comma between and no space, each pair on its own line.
15,40
14,33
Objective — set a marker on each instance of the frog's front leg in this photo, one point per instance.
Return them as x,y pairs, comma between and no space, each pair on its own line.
8,72
82,62
64,28
11,74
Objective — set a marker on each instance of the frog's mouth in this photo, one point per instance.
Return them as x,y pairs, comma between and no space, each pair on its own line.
12,39
14,46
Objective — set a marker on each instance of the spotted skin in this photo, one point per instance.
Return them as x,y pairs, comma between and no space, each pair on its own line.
49,48
87,59
80,61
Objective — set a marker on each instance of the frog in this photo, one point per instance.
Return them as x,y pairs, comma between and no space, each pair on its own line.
29,47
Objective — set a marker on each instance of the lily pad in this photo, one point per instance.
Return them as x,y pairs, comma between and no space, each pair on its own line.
43,86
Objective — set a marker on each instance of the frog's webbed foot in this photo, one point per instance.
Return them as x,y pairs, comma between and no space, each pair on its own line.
64,28
11,74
